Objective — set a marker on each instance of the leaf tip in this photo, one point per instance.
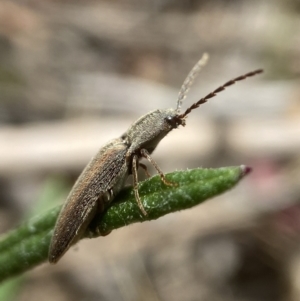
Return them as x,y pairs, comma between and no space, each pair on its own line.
245,170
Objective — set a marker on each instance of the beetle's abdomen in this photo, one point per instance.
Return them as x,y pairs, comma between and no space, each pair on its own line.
95,188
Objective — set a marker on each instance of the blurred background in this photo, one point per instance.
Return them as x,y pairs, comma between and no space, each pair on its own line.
74,74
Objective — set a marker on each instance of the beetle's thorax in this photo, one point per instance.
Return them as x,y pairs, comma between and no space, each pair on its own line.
148,130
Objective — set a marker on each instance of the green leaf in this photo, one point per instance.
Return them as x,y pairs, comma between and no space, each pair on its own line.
27,246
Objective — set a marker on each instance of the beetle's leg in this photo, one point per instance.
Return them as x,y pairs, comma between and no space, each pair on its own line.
147,156
102,202
135,183
145,169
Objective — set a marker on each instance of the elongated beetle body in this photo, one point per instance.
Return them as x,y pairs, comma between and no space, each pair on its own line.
106,173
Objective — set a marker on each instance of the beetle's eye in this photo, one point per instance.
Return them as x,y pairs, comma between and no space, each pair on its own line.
173,121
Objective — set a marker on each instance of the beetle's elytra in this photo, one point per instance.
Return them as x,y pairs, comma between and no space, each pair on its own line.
106,173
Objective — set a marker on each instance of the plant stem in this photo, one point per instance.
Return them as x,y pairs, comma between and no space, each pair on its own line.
27,246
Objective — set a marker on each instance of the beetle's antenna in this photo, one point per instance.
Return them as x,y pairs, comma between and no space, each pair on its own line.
215,92
190,79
